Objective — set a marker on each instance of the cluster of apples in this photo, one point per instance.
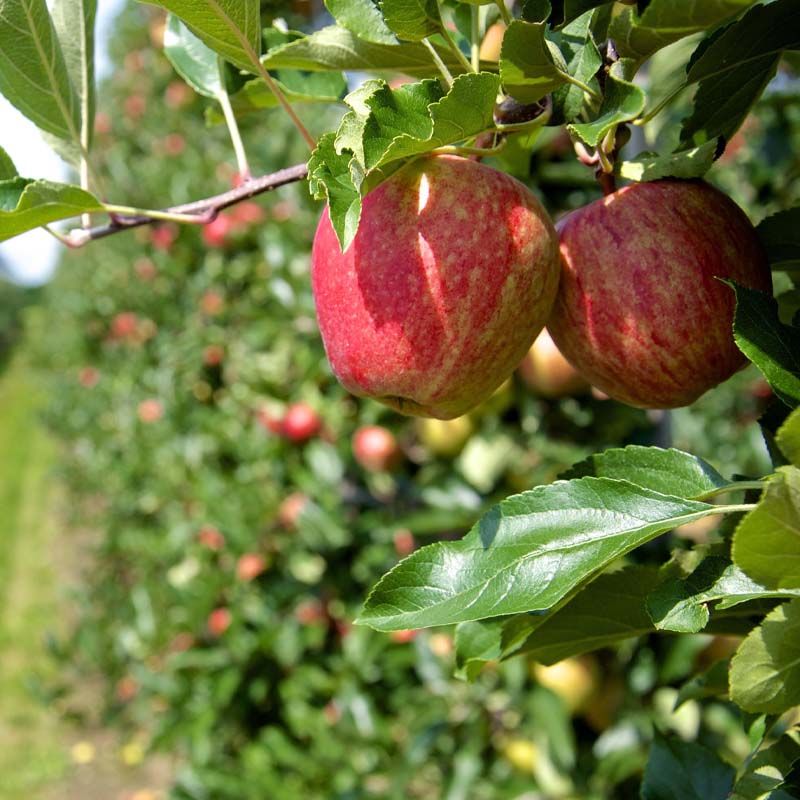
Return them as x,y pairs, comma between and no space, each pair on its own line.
457,267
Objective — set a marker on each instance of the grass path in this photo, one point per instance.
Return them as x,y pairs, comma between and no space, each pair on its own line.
37,570
32,754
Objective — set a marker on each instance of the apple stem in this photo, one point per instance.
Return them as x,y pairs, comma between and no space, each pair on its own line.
608,183
233,126
437,59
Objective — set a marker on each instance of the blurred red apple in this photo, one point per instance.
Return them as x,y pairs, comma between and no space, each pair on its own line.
213,355
210,537
88,377
404,543
164,236
450,277
212,302
219,621
150,410
250,566
124,325
290,509
401,637
217,232
300,423
639,310
376,448
545,370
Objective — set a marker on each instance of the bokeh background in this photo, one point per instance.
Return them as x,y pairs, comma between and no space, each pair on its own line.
178,576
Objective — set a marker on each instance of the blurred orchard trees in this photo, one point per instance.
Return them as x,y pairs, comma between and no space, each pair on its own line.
233,546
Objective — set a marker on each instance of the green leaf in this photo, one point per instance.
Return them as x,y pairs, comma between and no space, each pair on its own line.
692,163
711,683
765,672
362,18
665,21
681,604
333,176
623,101
678,770
780,235
565,11
721,103
531,66
231,28
412,20
666,471
526,554
7,168
33,71
772,346
765,30
788,437
26,204
734,66
297,87
336,48
766,543
386,126
609,610
194,61
583,62
767,770
74,22
476,644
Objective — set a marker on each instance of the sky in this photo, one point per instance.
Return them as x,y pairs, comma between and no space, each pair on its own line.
32,257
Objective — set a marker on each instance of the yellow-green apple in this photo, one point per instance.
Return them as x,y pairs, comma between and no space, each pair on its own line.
545,370
639,310
450,277
445,437
376,448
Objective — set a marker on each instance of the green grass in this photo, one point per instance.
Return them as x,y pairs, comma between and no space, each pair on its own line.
31,751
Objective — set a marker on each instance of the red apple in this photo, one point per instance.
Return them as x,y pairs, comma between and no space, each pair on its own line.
124,325
450,277
290,509
545,370
376,448
300,423
212,302
250,566
219,621
150,410
217,232
89,377
404,543
210,537
213,355
639,310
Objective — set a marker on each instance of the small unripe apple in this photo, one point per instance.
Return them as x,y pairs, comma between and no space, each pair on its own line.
522,754
450,277
445,437
376,448
574,680
639,310
300,423
545,370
